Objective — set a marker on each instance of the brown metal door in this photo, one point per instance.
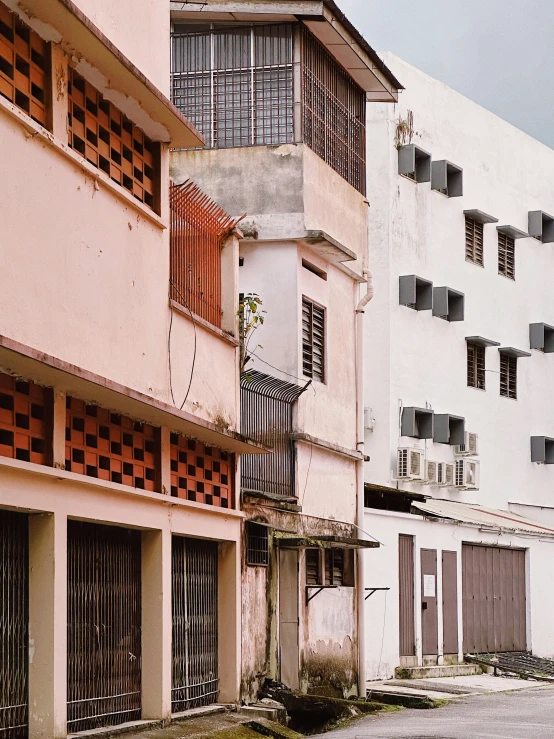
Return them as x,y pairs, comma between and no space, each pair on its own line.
288,618
449,603
494,606
429,610
406,595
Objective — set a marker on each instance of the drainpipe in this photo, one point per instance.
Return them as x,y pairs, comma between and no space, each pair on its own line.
360,570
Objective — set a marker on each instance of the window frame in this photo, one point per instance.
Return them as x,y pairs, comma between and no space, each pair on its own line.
508,376
326,561
506,249
474,231
476,366
261,558
308,349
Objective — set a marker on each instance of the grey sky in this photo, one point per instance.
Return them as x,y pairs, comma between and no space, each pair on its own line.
496,52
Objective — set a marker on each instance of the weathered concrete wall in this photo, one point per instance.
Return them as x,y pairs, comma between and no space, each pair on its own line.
284,190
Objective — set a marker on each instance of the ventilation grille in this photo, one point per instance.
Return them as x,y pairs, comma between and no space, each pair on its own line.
257,544
201,473
402,463
23,66
506,256
476,366
508,376
111,447
25,421
432,472
111,142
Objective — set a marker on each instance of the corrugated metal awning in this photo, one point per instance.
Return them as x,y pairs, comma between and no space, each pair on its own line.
477,515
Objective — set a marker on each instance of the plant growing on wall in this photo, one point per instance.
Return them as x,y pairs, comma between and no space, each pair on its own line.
404,130
250,314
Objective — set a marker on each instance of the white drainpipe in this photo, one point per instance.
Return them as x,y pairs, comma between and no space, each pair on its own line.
360,579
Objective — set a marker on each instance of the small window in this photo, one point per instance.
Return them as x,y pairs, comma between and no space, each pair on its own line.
257,544
506,256
474,242
313,340
330,567
313,567
476,366
508,376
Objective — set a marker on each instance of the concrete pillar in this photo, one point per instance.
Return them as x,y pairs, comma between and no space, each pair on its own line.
229,620
58,436
156,625
47,626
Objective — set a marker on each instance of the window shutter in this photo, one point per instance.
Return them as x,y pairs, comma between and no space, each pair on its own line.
506,255
474,241
313,340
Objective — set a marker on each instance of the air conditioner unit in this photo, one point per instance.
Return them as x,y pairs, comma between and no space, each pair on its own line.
470,447
467,474
431,472
410,464
445,474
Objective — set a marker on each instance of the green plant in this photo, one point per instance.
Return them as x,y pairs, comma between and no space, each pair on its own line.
250,314
404,130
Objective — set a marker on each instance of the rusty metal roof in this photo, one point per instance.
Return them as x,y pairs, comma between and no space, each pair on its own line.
477,515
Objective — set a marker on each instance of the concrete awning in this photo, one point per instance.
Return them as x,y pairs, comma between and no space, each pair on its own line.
102,63
30,364
323,542
486,518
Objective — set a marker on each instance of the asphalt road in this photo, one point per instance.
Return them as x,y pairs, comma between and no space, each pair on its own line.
526,714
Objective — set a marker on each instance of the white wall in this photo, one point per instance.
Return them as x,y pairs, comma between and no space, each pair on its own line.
382,609
413,358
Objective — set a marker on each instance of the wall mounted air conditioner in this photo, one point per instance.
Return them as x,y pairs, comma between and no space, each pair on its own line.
445,474
467,474
470,447
410,464
431,472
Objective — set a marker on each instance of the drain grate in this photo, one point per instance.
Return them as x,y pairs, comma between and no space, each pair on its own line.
521,663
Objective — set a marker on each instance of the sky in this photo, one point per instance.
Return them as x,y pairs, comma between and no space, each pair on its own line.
499,53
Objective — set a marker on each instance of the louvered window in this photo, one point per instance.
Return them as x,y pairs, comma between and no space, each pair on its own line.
312,567
506,256
330,567
476,366
24,73
474,242
508,376
334,566
313,340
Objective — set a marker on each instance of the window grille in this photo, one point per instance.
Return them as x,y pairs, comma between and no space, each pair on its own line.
333,113
235,84
266,416
476,366
14,624
508,376
110,141
198,226
103,626
24,75
25,421
474,242
257,544
201,473
506,256
313,340
111,447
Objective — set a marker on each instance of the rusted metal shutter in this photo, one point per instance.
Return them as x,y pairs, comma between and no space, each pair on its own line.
494,604
406,594
450,602
429,609
103,626
195,623
14,624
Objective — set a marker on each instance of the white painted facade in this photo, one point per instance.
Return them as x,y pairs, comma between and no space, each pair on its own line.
414,359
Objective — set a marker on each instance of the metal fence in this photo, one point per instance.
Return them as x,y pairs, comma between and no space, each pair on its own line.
198,226
333,112
14,624
266,416
195,623
103,626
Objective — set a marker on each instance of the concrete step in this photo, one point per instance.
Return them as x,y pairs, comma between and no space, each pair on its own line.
275,712
418,673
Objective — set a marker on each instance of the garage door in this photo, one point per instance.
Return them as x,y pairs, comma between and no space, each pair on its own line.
493,591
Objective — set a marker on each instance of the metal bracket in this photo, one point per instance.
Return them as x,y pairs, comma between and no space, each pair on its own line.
318,591
373,590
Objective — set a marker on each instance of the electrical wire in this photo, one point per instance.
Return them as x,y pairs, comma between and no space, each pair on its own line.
300,379
169,347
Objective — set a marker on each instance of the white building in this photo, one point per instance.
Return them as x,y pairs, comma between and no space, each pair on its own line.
458,343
